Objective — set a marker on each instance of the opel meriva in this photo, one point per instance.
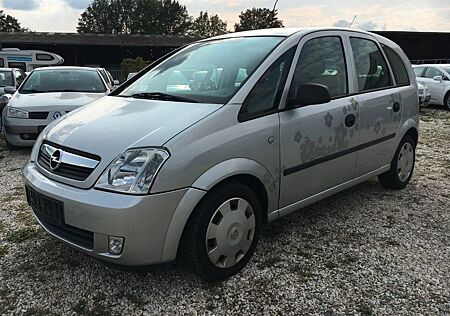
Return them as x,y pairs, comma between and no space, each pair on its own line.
192,155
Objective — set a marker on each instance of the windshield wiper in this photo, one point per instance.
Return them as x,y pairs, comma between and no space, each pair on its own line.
32,91
161,96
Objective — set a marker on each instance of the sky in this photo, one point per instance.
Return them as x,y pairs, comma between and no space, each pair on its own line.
398,15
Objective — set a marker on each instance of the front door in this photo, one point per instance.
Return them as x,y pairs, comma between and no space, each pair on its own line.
316,139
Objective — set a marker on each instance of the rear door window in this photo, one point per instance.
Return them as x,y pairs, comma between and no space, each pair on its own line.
371,68
398,67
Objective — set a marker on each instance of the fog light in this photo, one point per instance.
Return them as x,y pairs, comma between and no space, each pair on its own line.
115,245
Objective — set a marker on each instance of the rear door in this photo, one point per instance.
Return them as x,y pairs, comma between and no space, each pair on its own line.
380,102
315,139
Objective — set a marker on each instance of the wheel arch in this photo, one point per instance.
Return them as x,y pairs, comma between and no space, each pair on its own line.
246,171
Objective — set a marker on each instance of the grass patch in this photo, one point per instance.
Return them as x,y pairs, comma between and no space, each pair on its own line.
22,235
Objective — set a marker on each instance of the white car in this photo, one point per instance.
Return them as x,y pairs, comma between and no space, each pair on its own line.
424,95
437,78
46,95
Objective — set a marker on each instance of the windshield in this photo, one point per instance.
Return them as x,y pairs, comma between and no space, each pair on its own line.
6,79
208,72
63,80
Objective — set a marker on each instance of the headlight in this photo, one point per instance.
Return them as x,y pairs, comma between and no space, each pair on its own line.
133,171
16,113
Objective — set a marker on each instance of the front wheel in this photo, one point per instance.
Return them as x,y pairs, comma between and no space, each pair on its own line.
222,233
402,166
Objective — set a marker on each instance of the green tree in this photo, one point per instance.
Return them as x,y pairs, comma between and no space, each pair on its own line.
9,23
258,18
132,65
205,25
103,16
161,17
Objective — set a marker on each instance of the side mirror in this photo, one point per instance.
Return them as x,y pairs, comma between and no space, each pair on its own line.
310,94
438,78
10,90
116,82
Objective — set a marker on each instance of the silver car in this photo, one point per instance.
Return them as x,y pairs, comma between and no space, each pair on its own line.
46,95
272,120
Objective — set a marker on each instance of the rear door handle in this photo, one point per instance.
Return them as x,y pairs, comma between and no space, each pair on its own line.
350,120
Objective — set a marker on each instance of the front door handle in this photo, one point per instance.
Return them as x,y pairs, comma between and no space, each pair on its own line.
350,120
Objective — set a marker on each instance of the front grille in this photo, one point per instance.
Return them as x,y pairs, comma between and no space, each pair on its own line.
50,213
38,115
66,169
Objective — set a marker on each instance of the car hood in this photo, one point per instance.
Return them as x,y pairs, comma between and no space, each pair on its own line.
111,125
62,101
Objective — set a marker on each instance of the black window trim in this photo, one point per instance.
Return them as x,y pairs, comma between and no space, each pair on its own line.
391,80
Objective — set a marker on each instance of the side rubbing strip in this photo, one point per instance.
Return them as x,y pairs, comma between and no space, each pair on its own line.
320,160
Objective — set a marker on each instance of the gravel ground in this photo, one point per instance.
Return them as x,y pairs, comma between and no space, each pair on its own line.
366,251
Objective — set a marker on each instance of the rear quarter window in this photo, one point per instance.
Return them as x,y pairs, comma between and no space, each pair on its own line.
397,65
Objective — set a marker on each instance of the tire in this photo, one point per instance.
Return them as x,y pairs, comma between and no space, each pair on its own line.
221,225
402,165
447,101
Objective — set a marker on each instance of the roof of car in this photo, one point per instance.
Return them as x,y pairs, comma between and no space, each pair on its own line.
66,68
6,69
285,31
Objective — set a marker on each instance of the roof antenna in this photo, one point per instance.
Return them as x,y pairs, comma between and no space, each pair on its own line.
354,18
275,5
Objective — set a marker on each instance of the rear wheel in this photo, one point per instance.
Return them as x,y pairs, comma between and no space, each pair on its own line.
222,233
447,101
402,165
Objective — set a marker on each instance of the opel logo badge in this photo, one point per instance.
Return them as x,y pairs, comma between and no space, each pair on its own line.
55,159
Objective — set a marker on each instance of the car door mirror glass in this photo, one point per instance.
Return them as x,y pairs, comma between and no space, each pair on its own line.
437,78
309,94
10,90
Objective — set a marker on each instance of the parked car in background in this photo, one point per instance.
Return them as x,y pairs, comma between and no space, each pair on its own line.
437,78
46,95
424,95
131,75
112,84
27,60
10,77
158,170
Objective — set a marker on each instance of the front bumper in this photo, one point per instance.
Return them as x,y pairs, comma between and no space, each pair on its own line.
23,132
142,220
